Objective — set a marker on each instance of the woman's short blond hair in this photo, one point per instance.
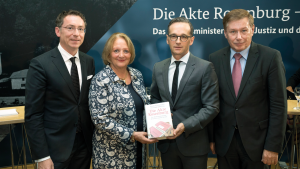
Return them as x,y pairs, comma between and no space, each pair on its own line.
109,45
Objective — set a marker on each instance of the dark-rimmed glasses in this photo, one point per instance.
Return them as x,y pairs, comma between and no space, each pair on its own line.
183,38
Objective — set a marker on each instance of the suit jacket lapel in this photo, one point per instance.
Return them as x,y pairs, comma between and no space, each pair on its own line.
62,68
83,77
166,79
227,71
251,60
186,75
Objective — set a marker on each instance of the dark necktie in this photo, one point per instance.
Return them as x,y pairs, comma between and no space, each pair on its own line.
237,73
175,81
75,80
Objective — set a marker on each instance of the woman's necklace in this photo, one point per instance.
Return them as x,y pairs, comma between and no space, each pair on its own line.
124,78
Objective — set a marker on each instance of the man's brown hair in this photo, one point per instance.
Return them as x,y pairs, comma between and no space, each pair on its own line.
237,14
60,18
184,20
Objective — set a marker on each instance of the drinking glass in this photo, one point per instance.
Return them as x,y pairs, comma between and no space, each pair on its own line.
297,95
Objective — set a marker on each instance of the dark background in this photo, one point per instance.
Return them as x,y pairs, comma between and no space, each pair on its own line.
27,30
27,27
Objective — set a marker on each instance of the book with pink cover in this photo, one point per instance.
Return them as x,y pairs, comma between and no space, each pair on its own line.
159,120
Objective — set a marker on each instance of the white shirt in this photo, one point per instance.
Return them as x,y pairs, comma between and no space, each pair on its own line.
243,59
181,67
66,57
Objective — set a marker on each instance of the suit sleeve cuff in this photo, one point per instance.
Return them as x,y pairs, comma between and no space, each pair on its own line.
190,126
42,159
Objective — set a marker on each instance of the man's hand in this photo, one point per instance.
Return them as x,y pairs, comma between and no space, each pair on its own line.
178,131
269,157
212,147
289,88
142,138
47,164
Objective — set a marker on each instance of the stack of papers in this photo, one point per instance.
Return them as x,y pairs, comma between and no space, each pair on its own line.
8,112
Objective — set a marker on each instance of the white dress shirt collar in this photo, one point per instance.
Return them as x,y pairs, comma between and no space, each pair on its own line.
172,69
66,55
184,59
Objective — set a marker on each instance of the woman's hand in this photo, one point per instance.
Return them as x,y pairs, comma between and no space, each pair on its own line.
141,137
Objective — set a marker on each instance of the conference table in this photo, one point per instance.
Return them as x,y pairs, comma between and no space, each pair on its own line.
15,119
291,111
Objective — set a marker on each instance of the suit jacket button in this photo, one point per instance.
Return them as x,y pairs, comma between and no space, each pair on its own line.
236,109
174,109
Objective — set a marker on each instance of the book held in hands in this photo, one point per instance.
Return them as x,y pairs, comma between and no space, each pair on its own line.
159,120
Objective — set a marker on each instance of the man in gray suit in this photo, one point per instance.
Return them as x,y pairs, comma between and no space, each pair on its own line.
190,85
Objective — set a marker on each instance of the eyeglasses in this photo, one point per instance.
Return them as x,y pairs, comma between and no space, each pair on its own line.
72,29
183,38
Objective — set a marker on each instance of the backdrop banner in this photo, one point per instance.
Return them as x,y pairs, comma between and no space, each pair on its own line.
276,25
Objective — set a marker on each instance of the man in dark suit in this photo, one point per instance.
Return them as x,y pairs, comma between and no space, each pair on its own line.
57,114
250,127
190,85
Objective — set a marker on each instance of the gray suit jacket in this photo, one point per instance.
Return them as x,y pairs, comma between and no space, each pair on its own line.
196,103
